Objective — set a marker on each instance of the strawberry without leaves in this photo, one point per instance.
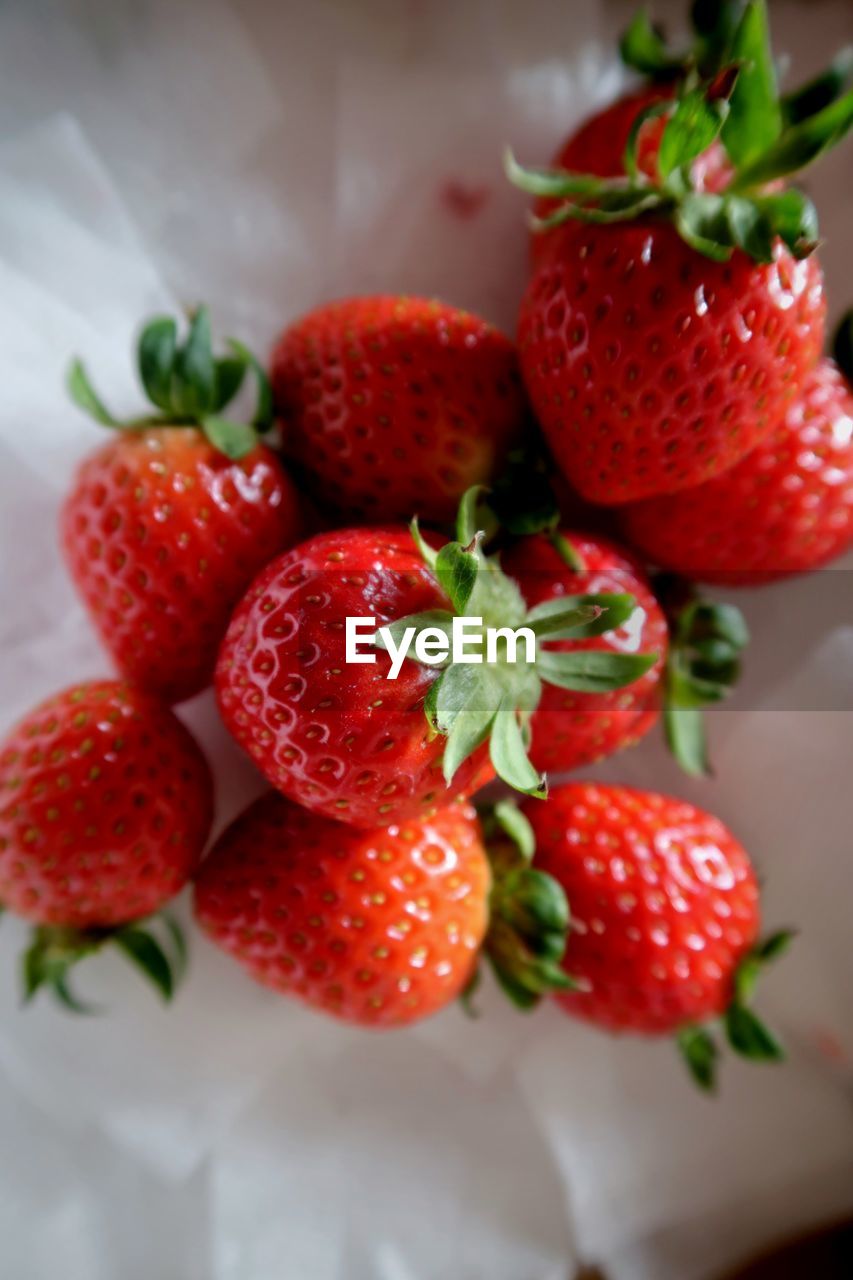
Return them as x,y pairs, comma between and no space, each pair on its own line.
664,918
105,805
785,508
396,405
167,524
380,928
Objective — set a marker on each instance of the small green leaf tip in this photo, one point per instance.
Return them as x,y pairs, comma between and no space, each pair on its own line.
186,385
744,1031
707,640
726,92
54,951
529,913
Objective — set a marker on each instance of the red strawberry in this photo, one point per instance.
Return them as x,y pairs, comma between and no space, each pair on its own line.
356,741
380,928
395,406
785,508
652,368
571,728
338,737
664,917
664,342
167,524
106,804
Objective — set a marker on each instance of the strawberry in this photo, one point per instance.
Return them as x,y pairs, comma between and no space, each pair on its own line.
105,805
167,524
572,728
787,507
379,928
377,741
663,343
394,405
664,917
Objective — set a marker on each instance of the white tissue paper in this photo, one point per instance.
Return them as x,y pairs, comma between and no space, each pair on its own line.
265,157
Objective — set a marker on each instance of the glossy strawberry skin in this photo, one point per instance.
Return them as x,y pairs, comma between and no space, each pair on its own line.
379,928
571,729
785,508
395,406
651,368
105,805
162,534
337,737
598,147
664,905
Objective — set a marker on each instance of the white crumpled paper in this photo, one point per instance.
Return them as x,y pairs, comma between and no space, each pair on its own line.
265,157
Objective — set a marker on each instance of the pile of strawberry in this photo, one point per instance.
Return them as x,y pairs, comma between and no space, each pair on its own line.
668,388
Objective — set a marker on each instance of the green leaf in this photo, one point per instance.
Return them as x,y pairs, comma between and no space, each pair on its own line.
593,671
700,220
799,145
715,23
842,347
746,978
471,723
534,903
264,414
431,704
774,946
553,619
467,525
509,755
234,439
644,49
613,203
792,216
691,129
754,120
749,1037
750,229
65,996
685,735
427,553
179,944
156,357
143,950
554,183
33,974
567,552
456,570
194,370
84,396
513,822
820,92
700,1054
629,158
230,373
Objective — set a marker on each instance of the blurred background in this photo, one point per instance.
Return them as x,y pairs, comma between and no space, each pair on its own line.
264,155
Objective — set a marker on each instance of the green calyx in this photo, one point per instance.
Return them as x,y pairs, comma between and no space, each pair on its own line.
703,665
529,914
187,386
56,949
744,1031
766,138
493,698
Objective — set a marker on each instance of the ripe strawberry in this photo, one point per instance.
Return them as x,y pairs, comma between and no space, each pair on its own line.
787,507
395,406
167,524
342,738
662,344
380,927
664,917
572,728
105,805
652,368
